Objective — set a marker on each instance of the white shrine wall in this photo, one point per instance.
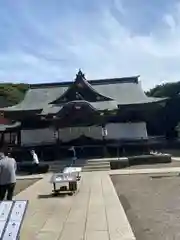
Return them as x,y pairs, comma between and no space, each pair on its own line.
122,131
68,134
37,137
126,131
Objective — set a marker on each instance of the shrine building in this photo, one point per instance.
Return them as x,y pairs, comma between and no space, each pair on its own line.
83,113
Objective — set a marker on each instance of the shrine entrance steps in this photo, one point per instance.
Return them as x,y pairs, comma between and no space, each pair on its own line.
96,165
58,166
88,165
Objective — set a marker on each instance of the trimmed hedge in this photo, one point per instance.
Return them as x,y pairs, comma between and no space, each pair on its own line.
30,168
121,163
149,159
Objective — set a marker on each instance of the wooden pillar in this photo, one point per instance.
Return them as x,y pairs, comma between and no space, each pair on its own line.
19,137
104,134
56,136
1,139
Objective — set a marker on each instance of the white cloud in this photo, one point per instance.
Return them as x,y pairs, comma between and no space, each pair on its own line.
99,44
154,58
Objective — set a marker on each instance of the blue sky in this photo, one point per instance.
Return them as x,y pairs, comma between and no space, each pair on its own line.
49,40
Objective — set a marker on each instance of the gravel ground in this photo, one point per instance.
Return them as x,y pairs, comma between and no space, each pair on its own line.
158,165
23,184
173,152
152,204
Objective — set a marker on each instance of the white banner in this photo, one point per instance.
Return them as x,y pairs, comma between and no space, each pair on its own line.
68,134
126,131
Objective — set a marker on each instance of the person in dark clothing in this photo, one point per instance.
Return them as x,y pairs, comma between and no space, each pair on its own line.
9,153
7,176
74,157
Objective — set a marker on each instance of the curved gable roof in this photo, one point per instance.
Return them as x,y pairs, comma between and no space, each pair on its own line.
81,89
124,91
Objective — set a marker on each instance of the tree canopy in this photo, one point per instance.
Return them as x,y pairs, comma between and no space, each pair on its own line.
169,118
165,90
11,94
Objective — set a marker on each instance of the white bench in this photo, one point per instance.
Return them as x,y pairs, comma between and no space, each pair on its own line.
11,217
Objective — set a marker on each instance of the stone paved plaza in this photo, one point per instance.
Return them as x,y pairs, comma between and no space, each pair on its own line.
93,213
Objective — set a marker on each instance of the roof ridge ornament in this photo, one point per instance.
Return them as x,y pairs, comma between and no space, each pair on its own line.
80,76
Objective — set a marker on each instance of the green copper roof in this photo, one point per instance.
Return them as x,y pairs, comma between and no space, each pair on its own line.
105,105
50,109
36,99
122,91
4,127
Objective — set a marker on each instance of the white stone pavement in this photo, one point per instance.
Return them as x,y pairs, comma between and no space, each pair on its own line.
94,213
33,176
145,171
176,158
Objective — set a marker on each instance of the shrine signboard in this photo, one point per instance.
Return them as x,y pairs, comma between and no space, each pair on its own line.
11,218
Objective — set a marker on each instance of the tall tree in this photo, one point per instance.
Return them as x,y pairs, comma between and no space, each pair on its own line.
170,116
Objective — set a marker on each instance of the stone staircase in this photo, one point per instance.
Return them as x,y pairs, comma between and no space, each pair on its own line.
87,165
96,165
58,166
